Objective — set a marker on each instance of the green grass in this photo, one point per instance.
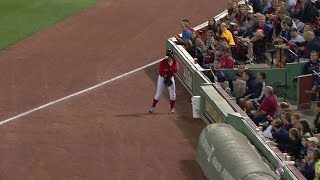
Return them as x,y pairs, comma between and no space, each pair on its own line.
22,18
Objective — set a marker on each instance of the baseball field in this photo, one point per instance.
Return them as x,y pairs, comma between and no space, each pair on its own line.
77,78
21,18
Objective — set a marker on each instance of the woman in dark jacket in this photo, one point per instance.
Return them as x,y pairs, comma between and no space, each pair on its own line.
212,25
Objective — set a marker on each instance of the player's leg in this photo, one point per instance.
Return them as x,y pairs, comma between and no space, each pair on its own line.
160,87
172,93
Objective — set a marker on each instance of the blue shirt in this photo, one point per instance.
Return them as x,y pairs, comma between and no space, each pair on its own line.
186,35
281,137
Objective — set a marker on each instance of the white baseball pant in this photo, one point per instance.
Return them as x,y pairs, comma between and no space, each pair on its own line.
160,87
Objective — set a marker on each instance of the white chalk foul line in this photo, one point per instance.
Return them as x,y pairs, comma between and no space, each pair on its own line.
76,94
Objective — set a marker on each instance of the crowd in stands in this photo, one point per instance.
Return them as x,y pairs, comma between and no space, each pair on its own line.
288,29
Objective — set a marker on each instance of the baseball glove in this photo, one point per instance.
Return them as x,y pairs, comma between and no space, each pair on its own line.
168,82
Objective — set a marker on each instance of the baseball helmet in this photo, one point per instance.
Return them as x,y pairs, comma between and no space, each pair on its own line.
169,53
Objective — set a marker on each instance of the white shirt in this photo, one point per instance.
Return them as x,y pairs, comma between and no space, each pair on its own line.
299,39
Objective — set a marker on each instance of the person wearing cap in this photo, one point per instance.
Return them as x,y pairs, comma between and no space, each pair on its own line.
167,68
312,142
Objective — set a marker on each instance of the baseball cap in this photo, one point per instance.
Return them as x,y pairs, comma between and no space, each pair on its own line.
313,139
169,53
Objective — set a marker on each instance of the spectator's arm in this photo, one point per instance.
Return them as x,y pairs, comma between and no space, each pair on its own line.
260,113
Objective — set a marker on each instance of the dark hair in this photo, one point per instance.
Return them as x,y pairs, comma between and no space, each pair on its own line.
305,127
318,104
263,75
248,73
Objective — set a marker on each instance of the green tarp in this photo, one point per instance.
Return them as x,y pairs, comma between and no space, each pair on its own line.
224,153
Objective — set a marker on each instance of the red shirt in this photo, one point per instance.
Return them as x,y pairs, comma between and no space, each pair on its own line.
165,70
227,62
269,105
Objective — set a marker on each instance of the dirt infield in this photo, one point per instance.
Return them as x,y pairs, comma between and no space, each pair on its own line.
105,133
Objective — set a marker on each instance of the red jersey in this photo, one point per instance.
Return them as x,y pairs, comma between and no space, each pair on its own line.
227,62
165,70
269,105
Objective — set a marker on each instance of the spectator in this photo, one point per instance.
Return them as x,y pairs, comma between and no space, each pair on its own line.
280,135
304,147
317,165
196,47
212,25
312,65
316,120
295,121
296,37
227,62
287,120
309,165
313,43
294,145
241,16
265,6
256,4
258,38
215,74
267,108
251,82
312,142
186,36
225,33
283,106
306,130
188,24
238,85
253,101
308,13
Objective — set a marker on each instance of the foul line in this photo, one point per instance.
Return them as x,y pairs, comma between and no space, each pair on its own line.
77,93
